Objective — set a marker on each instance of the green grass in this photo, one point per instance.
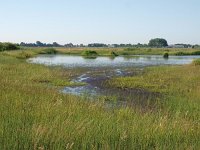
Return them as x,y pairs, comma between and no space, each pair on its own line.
35,115
122,51
196,62
131,51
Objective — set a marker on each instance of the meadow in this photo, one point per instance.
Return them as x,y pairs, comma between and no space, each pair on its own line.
109,51
130,51
35,115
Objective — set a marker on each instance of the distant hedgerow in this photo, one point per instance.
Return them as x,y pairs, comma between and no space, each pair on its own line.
8,46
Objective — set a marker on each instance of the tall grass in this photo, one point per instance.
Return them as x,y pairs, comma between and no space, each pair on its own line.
35,115
196,62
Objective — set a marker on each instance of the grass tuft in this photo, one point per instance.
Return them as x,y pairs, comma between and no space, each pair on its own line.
196,62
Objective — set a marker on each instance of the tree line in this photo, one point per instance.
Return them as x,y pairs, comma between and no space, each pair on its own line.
154,43
8,46
55,44
157,43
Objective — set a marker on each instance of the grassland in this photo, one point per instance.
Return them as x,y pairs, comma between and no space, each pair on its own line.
35,115
110,51
131,51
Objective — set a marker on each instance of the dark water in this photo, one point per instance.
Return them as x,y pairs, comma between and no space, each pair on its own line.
100,69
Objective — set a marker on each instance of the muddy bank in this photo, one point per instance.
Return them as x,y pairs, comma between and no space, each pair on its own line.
96,87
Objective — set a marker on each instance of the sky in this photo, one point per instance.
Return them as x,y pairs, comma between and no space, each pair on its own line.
100,21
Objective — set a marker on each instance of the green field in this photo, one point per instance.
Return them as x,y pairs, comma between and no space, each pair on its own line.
28,52
131,51
35,115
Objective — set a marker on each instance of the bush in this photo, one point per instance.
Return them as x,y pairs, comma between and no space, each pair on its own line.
113,54
8,46
187,53
89,53
180,53
48,51
196,53
1,47
166,55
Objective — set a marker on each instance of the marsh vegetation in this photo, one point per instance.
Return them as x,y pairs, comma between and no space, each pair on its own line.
35,114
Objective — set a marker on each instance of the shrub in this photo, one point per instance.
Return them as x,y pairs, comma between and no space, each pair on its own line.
113,54
89,53
1,47
196,53
8,46
166,55
48,51
180,53
186,53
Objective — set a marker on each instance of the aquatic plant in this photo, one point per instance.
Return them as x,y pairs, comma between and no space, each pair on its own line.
89,53
112,53
166,55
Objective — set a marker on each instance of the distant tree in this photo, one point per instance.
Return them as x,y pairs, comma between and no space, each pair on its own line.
49,45
158,42
115,45
39,44
1,47
55,44
69,45
196,46
22,44
81,45
97,45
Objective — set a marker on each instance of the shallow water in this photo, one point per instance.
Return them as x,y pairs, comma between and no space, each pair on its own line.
130,61
100,69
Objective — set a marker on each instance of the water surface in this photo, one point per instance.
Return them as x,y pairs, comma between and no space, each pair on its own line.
100,69
130,61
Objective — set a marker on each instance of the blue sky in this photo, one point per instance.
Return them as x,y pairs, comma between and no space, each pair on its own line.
106,21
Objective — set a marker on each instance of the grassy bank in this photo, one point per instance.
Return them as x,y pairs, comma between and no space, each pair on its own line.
86,51
131,51
35,115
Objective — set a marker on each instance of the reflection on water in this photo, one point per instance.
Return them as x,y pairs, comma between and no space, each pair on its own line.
135,61
100,69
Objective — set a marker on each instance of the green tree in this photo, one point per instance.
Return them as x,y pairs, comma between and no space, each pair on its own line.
8,46
158,42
